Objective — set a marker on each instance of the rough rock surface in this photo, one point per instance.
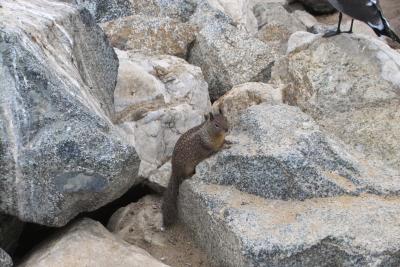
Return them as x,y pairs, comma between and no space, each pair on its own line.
350,84
240,11
276,25
151,35
242,96
179,9
228,57
238,229
105,10
280,153
60,153
140,224
158,98
317,6
5,259
87,243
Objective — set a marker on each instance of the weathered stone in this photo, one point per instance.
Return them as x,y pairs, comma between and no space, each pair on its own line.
318,6
228,57
151,35
140,224
61,155
350,84
242,96
10,231
158,179
87,243
308,20
276,25
180,9
5,259
105,10
240,11
158,98
238,229
204,14
280,153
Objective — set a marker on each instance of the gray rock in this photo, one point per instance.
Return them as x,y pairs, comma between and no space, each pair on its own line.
276,25
229,57
139,223
280,153
157,98
5,259
240,11
240,97
238,229
10,231
178,9
61,154
350,85
151,35
106,10
318,6
87,243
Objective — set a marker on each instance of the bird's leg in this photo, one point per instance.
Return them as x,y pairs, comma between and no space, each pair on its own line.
351,27
338,31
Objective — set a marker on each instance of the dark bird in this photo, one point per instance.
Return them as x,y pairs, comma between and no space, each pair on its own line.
368,11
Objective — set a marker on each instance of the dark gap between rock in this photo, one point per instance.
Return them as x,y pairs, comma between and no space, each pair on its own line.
33,234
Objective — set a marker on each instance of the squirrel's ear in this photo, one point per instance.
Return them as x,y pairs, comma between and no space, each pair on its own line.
211,116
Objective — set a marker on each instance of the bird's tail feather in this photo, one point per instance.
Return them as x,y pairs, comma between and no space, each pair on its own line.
390,33
387,31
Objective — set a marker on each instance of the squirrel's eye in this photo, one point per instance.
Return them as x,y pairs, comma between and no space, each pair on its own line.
216,125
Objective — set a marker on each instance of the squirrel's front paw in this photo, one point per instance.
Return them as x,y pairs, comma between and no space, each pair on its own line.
229,143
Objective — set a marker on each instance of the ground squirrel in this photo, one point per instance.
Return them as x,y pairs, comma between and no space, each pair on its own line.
191,148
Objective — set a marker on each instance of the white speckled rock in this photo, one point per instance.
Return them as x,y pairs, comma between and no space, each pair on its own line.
242,230
105,10
158,98
242,96
60,153
140,222
5,259
350,85
230,57
240,11
280,153
151,35
87,243
276,25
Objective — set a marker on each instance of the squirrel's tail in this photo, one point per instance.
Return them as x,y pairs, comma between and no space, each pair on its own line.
169,205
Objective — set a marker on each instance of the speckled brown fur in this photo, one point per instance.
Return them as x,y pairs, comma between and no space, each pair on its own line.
191,148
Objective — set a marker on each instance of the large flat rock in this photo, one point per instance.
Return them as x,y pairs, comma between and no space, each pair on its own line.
87,243
350,85
151,35
239,229
280,152
61,154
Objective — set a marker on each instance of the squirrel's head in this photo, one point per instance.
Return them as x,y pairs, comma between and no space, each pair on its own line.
217,124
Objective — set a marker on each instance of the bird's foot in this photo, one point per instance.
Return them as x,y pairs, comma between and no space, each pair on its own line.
331,34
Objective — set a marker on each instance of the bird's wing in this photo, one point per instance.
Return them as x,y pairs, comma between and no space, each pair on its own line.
368,11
